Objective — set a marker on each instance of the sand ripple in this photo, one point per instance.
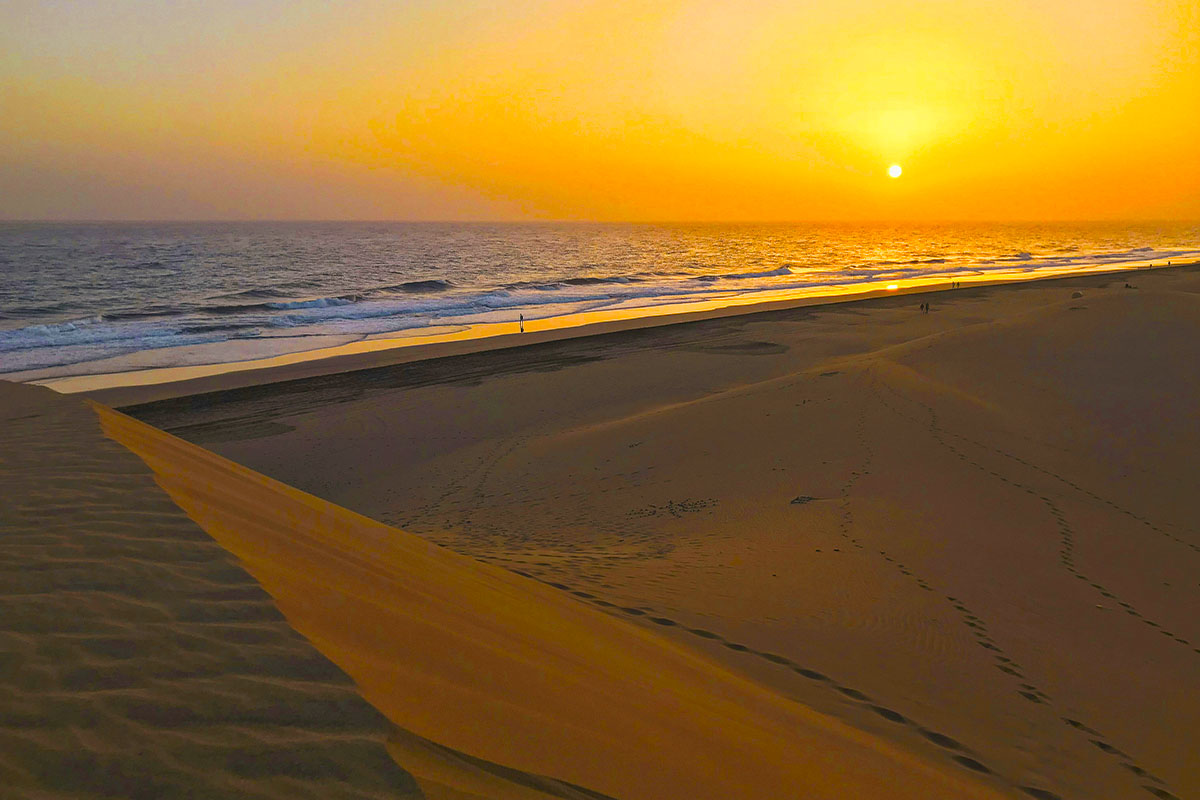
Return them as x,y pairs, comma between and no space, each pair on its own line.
138,659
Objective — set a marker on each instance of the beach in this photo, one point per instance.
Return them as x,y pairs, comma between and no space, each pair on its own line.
832,551
976,522
600,401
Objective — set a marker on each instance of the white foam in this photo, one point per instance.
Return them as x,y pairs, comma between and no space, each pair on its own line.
45,346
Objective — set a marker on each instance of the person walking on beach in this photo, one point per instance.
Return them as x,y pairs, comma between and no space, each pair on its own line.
521,322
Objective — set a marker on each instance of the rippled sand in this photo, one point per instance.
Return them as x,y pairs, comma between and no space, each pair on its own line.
139,659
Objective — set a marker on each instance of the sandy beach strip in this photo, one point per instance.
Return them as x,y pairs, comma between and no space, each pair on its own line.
970,533
123,382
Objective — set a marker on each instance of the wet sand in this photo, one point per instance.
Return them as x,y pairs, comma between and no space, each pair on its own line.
129,379
969,534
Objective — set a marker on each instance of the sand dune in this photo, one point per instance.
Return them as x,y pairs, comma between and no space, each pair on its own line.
146,661
512,672
970,533
137,658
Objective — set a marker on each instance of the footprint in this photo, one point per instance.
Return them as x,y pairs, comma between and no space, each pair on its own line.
1161,793
1040,794
940,739
776,659
1108,748
703,633
971,763
1074,723
888,714
1136,770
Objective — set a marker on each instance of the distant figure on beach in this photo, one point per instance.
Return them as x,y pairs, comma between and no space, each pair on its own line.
521,322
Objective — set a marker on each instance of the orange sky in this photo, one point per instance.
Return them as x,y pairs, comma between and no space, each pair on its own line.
533,109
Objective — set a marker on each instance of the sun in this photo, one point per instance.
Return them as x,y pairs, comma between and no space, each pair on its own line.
894,170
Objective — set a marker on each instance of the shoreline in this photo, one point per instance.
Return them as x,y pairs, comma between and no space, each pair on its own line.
150,385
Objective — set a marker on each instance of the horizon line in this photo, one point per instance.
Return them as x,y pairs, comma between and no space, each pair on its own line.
573,221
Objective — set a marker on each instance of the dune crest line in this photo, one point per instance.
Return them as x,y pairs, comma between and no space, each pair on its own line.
488,663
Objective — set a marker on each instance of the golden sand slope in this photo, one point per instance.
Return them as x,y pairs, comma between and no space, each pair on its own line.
137,658
507,670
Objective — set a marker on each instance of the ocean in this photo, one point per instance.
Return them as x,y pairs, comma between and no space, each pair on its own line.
90,298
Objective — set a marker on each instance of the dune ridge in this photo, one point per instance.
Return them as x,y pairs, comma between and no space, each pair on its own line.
514,673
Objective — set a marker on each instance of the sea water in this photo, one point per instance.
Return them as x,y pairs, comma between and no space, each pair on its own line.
81,298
